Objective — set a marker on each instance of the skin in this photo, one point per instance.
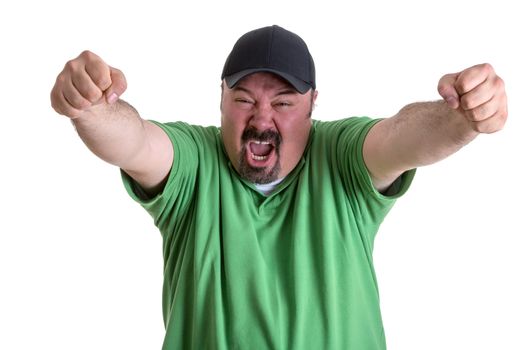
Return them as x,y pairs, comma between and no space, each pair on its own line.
474,102
264,102
87,91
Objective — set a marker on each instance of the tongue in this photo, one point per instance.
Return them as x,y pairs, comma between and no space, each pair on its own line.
260,149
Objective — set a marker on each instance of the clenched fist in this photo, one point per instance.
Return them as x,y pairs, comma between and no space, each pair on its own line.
479,94
84,82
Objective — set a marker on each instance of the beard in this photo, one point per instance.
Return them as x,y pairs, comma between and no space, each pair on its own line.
260,175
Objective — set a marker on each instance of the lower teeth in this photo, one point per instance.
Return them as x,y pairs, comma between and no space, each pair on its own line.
259,157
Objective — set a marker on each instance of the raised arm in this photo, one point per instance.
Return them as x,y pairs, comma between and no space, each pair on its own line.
474,102
87,91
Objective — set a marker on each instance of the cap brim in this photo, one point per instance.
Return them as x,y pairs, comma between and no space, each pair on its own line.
299,85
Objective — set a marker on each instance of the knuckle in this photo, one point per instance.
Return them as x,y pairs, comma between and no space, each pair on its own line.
60,81
121,86
70,65
53,96
86,54
103,81
80,103
56,101
473,115
461,86
123,83
495,128
467,103
499,84
479,113
93,95
487,67
478,127
73,66
100,75
97,69
489,126
55,105
119,80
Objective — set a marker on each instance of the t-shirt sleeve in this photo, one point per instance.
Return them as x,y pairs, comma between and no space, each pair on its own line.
352,164
348,148
169,205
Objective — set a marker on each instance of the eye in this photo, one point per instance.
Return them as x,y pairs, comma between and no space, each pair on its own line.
243,100
283,104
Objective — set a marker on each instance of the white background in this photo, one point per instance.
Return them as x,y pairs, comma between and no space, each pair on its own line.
81,264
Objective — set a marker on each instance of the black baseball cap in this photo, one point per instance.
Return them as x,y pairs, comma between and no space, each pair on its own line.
271,49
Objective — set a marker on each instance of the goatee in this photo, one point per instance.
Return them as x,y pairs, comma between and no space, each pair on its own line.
259,175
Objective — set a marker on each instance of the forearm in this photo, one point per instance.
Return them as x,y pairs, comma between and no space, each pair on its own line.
87,91
420,134
113,132
426,132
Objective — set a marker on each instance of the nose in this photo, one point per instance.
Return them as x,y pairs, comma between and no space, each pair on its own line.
262,118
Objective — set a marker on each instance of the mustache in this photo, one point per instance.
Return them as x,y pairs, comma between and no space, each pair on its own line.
267,135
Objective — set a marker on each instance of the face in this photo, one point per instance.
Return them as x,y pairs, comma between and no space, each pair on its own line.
265,125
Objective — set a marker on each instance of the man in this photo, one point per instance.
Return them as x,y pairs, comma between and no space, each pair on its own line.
268,223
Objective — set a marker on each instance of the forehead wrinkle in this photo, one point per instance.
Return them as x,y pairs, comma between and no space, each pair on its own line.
241,88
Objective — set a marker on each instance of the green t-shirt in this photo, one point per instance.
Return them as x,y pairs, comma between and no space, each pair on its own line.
292,270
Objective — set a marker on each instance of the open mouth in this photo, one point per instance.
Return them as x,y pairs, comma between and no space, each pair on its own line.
259,156
260,150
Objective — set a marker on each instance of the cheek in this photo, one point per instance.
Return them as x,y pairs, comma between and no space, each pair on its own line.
297,124
295,136
232,126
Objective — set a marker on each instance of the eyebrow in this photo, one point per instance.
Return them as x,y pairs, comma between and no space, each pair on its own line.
240,88
287,92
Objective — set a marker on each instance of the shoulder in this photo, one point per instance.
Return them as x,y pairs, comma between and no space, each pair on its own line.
338,125
185,127
346,129
185,132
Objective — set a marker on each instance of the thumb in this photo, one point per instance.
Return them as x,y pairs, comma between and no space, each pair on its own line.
447,90
117,87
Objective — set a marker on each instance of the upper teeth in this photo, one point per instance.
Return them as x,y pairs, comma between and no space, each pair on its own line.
261,142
